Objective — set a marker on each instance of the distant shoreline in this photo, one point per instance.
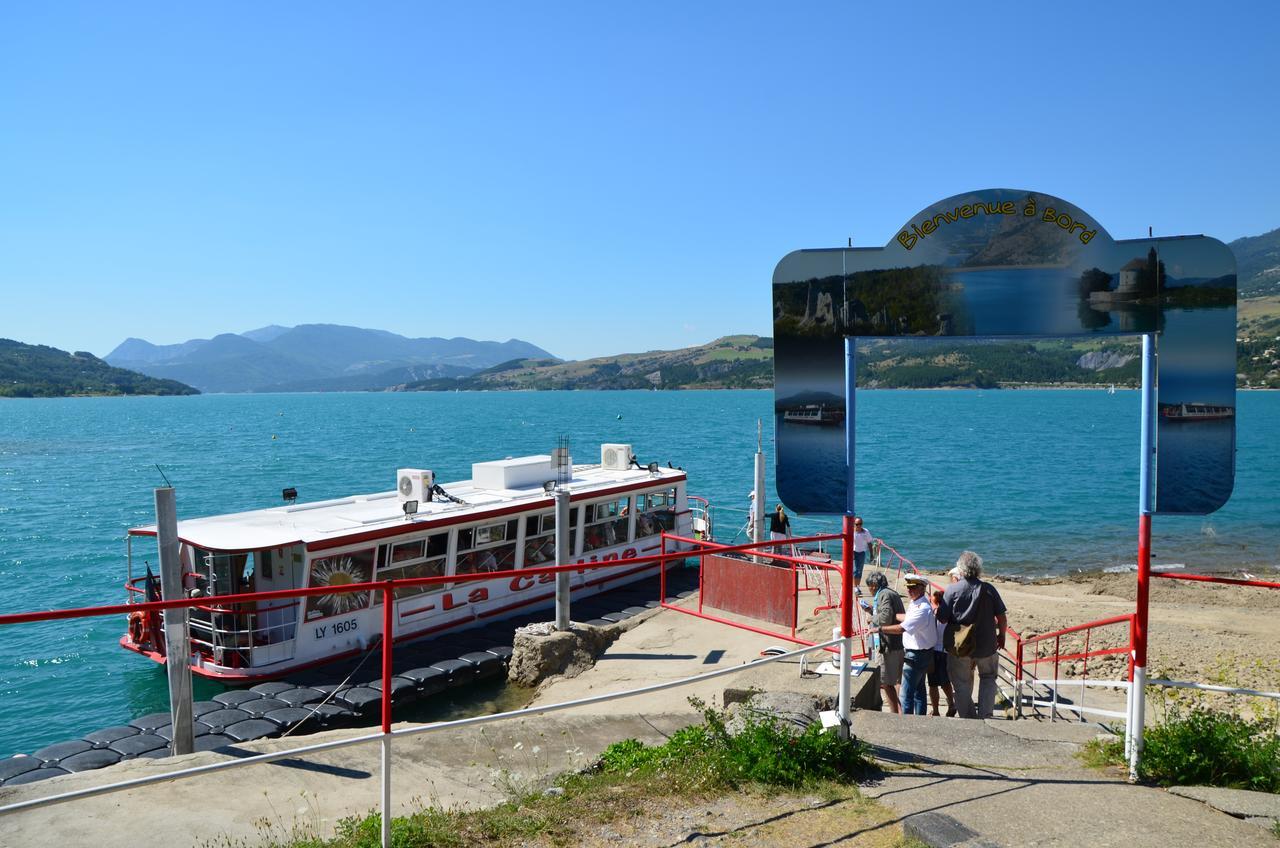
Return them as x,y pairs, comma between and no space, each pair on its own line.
1078,387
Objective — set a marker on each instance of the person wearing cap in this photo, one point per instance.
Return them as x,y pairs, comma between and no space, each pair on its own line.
970,603
886,607
919,629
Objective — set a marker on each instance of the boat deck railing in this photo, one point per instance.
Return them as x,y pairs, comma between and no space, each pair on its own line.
231,633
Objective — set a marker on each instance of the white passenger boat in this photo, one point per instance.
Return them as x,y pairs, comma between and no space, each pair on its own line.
814,413
1195,411
502,519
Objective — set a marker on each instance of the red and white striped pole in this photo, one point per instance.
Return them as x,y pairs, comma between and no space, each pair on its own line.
1146,501
846,542
388,603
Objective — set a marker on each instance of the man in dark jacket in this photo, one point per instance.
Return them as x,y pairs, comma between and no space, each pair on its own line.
886,608
970,602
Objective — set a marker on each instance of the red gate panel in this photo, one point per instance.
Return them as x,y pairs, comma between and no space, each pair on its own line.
756,590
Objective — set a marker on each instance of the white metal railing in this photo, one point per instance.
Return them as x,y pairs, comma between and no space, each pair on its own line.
1055,704
385,739
1208,687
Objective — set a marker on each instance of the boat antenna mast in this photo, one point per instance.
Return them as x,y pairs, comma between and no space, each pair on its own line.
561,462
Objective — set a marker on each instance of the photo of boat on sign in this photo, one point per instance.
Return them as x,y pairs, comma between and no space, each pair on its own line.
819,414
1009,263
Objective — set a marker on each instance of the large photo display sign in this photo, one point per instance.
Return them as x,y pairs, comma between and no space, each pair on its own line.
1003,263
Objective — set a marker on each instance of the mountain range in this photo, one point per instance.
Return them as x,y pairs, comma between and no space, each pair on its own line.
1258,264
314,357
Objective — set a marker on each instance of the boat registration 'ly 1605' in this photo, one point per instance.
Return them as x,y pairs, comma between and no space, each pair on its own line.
502,519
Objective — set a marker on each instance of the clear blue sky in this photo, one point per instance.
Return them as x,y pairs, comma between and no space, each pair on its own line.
594,178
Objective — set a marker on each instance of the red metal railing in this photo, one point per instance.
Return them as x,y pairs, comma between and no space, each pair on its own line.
761,549
1057,657
1018,655
1205,578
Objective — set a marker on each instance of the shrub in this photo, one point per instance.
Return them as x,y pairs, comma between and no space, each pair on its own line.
764,752
1203,746
1197,745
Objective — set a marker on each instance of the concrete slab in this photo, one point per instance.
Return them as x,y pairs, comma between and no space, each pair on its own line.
471,767
994,780
671,645
975,743
1234,802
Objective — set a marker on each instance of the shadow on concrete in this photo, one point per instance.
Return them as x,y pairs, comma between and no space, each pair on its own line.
698,835
607,656
301,765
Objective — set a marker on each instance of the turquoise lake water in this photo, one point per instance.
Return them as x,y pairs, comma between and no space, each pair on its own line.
1036,481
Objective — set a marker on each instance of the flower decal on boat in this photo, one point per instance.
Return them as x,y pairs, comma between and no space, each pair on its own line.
341,570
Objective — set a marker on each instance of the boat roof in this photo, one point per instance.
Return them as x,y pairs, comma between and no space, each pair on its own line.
341,521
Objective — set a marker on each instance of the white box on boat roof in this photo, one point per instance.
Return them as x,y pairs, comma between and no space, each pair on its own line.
615,457
521,472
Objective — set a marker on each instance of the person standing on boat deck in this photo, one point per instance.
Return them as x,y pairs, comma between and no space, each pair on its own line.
780,527
861,544
886,607
976,622
919,629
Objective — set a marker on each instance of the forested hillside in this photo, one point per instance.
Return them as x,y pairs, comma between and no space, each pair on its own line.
41,371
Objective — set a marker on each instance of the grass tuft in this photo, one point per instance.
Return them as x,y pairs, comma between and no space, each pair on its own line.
704,760
1201,746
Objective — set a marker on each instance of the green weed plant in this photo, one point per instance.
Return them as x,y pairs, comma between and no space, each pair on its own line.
1201,741
707,756
704,759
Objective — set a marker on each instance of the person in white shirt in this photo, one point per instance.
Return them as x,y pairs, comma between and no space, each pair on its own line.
919,629
862,540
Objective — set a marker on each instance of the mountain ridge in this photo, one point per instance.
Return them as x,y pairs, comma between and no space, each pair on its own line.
28,370
1258,264
321,357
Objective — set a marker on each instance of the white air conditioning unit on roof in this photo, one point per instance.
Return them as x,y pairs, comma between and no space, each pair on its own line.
615,457
414,484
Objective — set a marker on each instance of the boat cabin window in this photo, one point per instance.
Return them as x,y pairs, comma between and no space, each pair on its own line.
606,524
655,512
340,570
409,560
489,547
540,538
406,551
216,573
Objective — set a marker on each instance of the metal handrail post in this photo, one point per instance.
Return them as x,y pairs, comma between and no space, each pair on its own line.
388,601
1146,506
1085,674
846,629
846,538
1018,678
702,575
662,570
795,598
1057,652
